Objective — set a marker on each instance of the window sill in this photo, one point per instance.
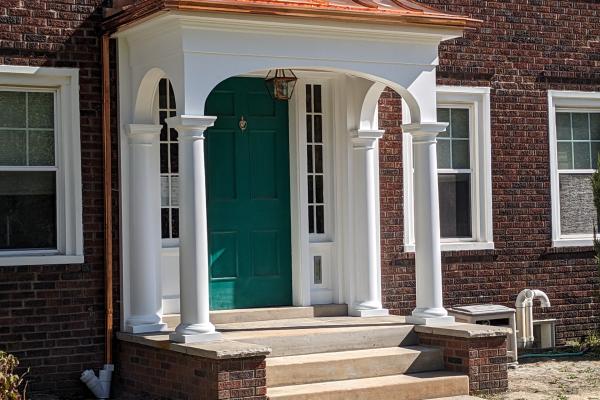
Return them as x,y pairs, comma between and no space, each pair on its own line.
457,246
29,259
573,242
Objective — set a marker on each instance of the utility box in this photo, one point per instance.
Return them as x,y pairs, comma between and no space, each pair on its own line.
544,333
493,315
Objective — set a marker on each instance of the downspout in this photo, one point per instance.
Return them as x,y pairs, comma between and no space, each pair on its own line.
100,385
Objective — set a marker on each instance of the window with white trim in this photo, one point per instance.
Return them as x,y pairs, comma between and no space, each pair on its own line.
169,172
40,171
575,148
464,171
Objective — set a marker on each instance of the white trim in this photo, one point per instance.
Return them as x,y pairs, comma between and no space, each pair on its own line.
568,101
477,100
64,82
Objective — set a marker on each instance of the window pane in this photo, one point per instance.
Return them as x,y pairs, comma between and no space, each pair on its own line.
12,109
460,154
175,223
319,189
311,219
595,126
563,126
577,213
161,119
581,128
318,129
318,159
309,129
174,158
308,98
309,159
320,219
443,154
164,158
311,192
565,159
443,115
460,122
595,154
41,110
164,223
317,100
164,191
12,147
171,96
27,199
317,270
174,190
455,205
41,148
162,94
581,154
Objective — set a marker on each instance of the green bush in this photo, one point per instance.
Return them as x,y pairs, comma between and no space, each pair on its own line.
10,383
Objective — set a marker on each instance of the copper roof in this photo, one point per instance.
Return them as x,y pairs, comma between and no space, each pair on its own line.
377,11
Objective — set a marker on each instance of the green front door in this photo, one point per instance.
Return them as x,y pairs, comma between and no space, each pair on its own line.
248,197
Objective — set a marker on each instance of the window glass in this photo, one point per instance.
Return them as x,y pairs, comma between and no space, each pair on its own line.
455,205
577,148
314,159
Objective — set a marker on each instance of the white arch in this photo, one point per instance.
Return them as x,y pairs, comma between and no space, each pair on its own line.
144,102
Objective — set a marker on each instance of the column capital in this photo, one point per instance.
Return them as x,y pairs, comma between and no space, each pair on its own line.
366,138
426,131
191,126
143,133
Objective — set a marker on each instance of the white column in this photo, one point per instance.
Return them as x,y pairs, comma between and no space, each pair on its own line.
366,266
195,325
428,261
145,238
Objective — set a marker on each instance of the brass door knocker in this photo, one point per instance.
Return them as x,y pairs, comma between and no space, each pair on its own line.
243,124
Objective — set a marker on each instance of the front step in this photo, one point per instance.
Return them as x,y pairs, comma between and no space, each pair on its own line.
289,342
313,368
427,385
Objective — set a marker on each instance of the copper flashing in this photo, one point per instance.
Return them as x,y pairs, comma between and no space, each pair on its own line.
373,11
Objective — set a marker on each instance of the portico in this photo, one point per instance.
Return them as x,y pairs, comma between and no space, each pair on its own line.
351,60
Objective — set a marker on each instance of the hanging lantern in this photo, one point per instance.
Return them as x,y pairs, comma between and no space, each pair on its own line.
281,83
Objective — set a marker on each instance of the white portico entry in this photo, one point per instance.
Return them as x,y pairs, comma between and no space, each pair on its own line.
335,250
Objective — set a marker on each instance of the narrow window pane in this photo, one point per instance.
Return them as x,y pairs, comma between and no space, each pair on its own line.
41,148
41,110
174,158
12,148
565,156
164,191
162,94
27,210
443,115
309,158
173,135
171,96
164,223
311,219
309,129
311,190
12,109
320,219
319,189
595,154
318,129
581,154
443,154
174,190
318,270
595,126
308,98
581,127
162,115
164,158
577,213
563,126
460,122
318,159
317,102
175,223
460,154
455,205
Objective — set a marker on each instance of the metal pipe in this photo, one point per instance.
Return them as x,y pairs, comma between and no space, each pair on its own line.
107,170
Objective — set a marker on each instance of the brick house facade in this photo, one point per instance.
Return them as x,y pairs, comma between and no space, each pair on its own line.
51,316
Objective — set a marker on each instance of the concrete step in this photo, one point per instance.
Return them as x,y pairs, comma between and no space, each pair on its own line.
356,364
266,314
426,385
289,342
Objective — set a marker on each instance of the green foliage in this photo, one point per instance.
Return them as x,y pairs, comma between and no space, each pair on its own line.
10,382
595,179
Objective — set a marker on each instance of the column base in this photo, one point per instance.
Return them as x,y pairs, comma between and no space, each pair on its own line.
145,328
375,312
448,320
195,338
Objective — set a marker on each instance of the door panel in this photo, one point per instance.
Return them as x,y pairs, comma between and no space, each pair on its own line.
248,199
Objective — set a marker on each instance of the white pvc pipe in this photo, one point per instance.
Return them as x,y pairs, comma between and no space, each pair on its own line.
100,387
524,305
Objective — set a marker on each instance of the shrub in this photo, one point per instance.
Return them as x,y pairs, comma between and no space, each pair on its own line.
10,382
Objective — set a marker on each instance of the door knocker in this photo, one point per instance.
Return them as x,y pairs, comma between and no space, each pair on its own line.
243,124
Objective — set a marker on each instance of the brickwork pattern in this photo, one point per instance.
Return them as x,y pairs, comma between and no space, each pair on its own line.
522,50
52,316
149,373
483,359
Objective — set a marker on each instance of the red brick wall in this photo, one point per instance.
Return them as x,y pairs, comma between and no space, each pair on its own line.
522,49
52,316
483,359
150,373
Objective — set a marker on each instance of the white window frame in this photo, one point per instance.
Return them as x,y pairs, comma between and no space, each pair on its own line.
64,82
477,100
568,101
